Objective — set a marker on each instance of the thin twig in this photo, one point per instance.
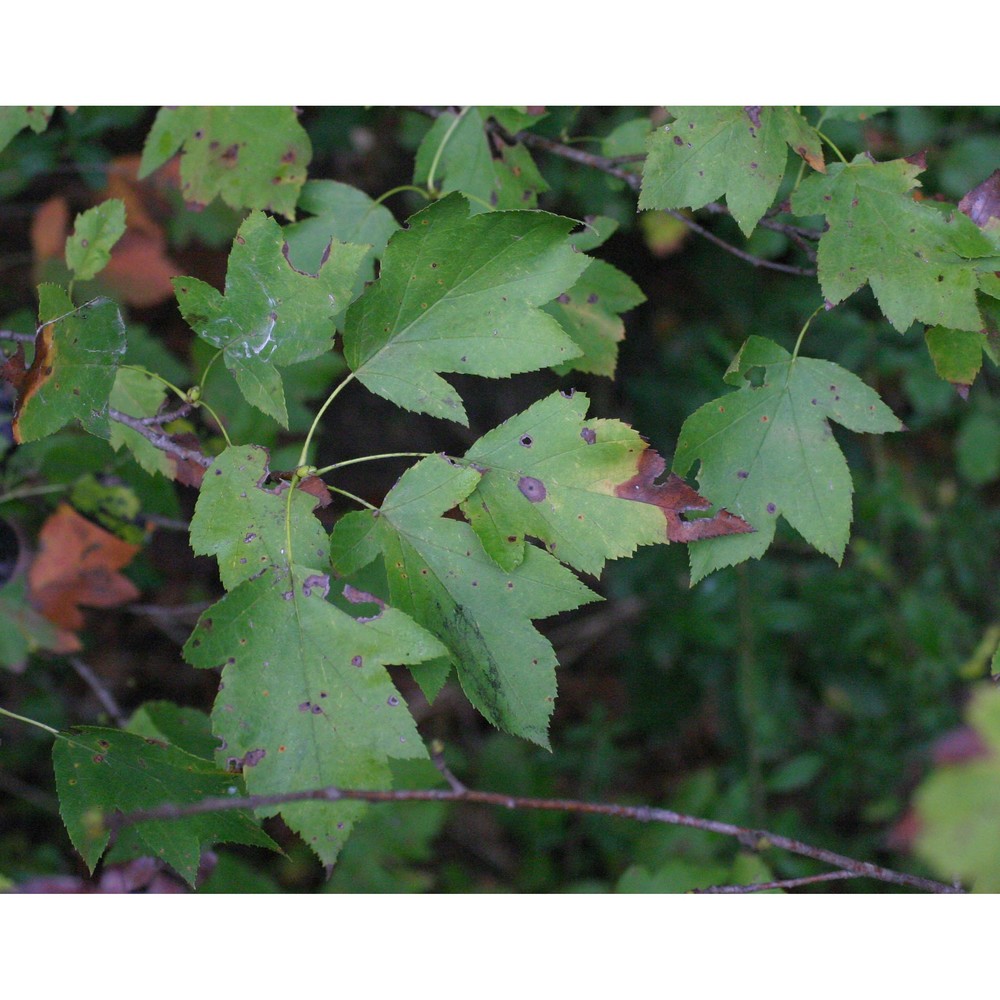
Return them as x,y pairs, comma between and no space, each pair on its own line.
757,839
788,883
104,696
167,416
437,756
160,440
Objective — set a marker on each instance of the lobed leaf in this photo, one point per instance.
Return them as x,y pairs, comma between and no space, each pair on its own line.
77,351
583,487
916,259
461,294
767,451
241,520
271,315
252,157
440,575
706,153
305,700
103,771
459,152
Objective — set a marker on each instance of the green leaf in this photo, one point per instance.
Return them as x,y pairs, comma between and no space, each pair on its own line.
241,520
957,354
340,213
139,395
23,630
737,152
97,230
186,728
767,451
958,804
439,574
551,474
101,771
461,294
456,147
916,259
590,313
271,315
72,373
251,157
12,120
305,700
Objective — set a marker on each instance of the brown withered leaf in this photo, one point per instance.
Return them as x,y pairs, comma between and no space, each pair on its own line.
77,565
673,496
982,203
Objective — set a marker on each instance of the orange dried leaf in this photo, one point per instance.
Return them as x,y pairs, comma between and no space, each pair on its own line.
77,564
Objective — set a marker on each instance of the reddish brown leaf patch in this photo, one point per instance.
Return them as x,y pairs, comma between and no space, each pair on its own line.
27,381
77,565
673,496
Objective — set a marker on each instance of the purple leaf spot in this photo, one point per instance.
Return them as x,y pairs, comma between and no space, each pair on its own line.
356,661
771,508
742,474
533,489
526,441
589,435
392,701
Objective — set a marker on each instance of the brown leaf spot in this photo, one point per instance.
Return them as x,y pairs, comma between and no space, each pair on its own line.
673,496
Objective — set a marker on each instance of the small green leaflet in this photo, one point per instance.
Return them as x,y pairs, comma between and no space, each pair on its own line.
440,575
139,395
957,355
251,157
305,700
737,152
461,294
103,771
240,520
958,804
271,315
768,451
12,120
457,150
77,351
96,231
551,474
918,261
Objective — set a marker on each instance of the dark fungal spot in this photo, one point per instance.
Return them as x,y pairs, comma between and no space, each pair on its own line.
678,141
589,435
356,661
533,489
392,701
305,706
98,758
526,441
742,474
592,298
564,298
